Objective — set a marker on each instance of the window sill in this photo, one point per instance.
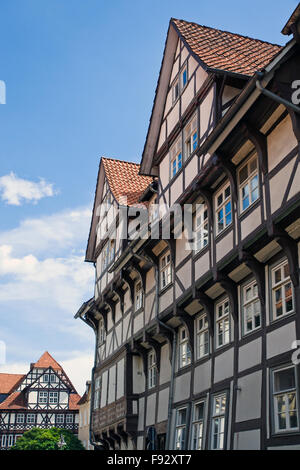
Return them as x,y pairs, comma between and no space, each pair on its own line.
246,212
164,289
223,233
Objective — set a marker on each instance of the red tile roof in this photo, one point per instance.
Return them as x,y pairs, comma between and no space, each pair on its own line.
9,382
124,180
226,51
45,361
74,401
15,400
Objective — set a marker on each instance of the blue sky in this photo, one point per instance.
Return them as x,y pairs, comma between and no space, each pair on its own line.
80,79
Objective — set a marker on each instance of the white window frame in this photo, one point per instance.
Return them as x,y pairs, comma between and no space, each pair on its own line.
176,157
201,227
60,418
249,305
202,336
152,370
52,378
3,440
45,378
165,270
281,286
246,184
30,418
53,398
10,442
69,418
185,357
175,86
180,430
221,206
285,395
101,329
97,395
190,133
198,427
20,418
138,295
43,397
218,416
221,318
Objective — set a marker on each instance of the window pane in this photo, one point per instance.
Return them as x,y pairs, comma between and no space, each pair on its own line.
244,174
284,380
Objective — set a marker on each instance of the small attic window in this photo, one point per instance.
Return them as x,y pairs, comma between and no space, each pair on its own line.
184,77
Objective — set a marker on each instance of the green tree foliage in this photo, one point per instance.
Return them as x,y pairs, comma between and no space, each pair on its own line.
47,439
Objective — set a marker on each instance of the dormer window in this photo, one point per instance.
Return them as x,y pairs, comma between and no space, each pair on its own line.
176,157
184,77
190,137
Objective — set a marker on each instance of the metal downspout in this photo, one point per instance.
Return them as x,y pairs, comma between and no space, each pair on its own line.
277,98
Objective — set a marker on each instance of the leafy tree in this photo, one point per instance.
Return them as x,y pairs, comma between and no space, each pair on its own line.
47,439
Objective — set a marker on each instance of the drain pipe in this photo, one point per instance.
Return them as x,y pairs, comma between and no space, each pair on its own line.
275,97
91,434
174,346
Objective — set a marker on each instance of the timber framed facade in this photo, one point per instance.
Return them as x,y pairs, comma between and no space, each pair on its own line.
194,343
42,398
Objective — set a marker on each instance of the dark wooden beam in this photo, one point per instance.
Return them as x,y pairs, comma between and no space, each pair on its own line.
290,248
258,271
156,346
259,141
208,305
231,290
188,322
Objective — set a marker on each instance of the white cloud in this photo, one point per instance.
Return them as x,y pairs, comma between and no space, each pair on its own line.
15,190
51,234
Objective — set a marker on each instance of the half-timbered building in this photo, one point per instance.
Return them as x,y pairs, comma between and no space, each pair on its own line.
196,336
42,398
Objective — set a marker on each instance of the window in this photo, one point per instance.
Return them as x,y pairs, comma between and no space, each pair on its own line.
165,270
285,401
111,251
46,378
30,419
222,323
20,418
197,427
180,434
223,208
153,210
184,77
60,419
3,440
202,337
105,257
101,331
138,295
10,440
176,157
175,90
190,137
43,397
218,422
152,375
97,396
184,348
201,226
251,308
69,419
282,290
53,397
248,184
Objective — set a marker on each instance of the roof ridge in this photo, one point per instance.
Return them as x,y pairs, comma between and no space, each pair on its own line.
119,160
227,32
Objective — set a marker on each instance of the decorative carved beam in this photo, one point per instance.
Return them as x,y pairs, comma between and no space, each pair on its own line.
120,293
207,195
290,248
230,169
123,434
113,435
112,304
208,305
258,270
103,312
130,283
154,259
141,271
108,439
135,346
156,346
230,288
259,140
166,333
189,324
